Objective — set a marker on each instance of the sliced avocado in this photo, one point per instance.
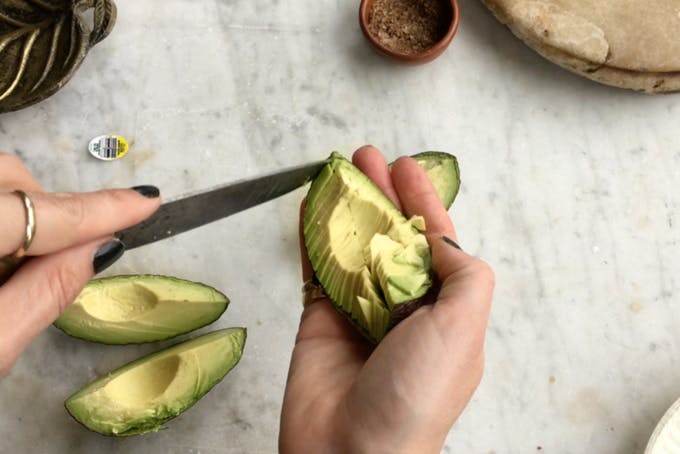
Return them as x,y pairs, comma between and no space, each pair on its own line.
140,308
442,170
400,262
368,257
142,395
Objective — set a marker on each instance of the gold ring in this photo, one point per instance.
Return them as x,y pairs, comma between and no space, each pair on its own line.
311,292
29,209
11,262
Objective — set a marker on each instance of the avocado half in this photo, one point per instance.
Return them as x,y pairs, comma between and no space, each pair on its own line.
442,170
142,395
140,308
373,263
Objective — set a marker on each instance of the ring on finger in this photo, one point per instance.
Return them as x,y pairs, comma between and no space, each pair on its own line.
10,262
312,291
29,210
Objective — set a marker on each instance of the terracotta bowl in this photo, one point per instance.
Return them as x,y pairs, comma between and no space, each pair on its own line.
424,56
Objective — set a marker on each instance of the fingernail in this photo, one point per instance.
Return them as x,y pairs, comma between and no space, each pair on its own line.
107,254
150,192
449,241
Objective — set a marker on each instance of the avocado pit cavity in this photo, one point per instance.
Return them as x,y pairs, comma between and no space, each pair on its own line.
145,383
119,303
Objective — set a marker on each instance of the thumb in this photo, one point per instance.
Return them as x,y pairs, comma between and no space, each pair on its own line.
42,288
464,300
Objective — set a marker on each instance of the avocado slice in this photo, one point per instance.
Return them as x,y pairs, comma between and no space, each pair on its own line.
142,395
371,260
140,308
442,170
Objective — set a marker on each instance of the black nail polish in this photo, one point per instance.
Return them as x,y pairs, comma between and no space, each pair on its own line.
150,192
107,254
449,241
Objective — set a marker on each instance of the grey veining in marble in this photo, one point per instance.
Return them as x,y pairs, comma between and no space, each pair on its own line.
571,191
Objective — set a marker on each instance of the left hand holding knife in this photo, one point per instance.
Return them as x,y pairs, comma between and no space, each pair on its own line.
60,241
52,244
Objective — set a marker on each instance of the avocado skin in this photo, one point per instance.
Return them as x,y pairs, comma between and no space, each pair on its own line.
92,336
447,185
154,424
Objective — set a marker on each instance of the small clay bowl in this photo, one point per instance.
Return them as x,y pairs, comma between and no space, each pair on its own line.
450,17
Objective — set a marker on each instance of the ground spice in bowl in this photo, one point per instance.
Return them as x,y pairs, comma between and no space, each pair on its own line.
409,26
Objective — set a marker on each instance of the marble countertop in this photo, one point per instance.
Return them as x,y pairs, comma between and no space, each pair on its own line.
570,191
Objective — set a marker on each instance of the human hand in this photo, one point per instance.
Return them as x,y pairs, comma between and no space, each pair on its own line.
344,395
72,241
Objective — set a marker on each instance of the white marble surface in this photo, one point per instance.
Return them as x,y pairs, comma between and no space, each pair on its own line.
570,190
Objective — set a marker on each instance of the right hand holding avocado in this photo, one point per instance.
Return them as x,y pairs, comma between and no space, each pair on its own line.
403,395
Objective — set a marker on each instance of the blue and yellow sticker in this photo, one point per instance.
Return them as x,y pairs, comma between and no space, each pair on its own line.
108,147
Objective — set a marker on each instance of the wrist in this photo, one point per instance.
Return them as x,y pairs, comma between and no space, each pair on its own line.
368,446
393,441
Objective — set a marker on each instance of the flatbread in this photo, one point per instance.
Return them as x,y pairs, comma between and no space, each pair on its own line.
625,43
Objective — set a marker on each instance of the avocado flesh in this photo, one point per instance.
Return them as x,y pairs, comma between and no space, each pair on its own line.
401,268
140,396
142,308
345,214
443,172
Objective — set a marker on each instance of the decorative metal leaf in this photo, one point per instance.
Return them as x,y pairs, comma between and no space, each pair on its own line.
42,44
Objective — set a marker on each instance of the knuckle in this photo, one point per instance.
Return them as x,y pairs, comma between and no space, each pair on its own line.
10,161
484,273
474,359
109,201
115,199
479,367
63,285
73,209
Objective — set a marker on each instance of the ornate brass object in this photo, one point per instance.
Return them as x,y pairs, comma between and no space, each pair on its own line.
42,44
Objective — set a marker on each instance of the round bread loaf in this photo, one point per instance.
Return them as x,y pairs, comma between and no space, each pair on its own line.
624,43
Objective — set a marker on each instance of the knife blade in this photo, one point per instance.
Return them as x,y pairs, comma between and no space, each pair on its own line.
194,210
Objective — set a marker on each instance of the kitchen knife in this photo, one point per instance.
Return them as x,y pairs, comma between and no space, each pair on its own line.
194,210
